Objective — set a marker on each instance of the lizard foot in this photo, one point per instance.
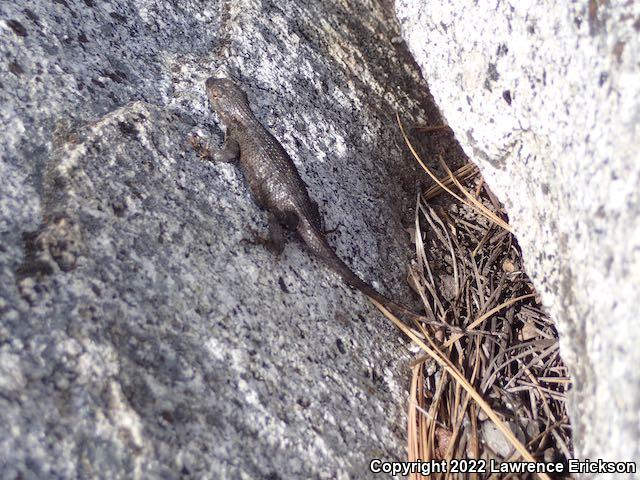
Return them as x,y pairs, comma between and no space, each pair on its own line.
273,246
229,153
200,146
333,230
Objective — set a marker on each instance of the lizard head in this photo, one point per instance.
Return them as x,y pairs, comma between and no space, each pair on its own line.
227,99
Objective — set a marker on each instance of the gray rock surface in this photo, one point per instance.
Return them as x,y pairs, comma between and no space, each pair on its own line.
140,337
545,98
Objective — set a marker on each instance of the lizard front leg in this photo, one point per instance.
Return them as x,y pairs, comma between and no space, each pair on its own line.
229,153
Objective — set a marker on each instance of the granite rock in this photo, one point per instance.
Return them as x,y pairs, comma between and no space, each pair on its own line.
545,98
141,336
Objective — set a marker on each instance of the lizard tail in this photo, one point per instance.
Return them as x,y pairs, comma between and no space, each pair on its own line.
316,242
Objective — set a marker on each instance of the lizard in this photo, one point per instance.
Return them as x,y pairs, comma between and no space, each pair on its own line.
276,184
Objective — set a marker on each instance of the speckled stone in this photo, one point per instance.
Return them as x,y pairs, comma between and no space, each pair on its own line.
140,336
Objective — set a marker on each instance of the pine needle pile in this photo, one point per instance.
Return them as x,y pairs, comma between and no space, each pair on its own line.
493,385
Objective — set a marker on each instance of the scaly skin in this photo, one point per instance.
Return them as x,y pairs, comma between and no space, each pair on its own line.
276,183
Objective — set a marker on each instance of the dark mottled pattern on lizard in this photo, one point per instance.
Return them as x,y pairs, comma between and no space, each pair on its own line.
276,184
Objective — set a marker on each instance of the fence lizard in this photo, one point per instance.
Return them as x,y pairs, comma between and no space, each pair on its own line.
275,183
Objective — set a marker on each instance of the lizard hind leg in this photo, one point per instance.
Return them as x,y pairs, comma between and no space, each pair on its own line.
276,240
315,215
318,220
